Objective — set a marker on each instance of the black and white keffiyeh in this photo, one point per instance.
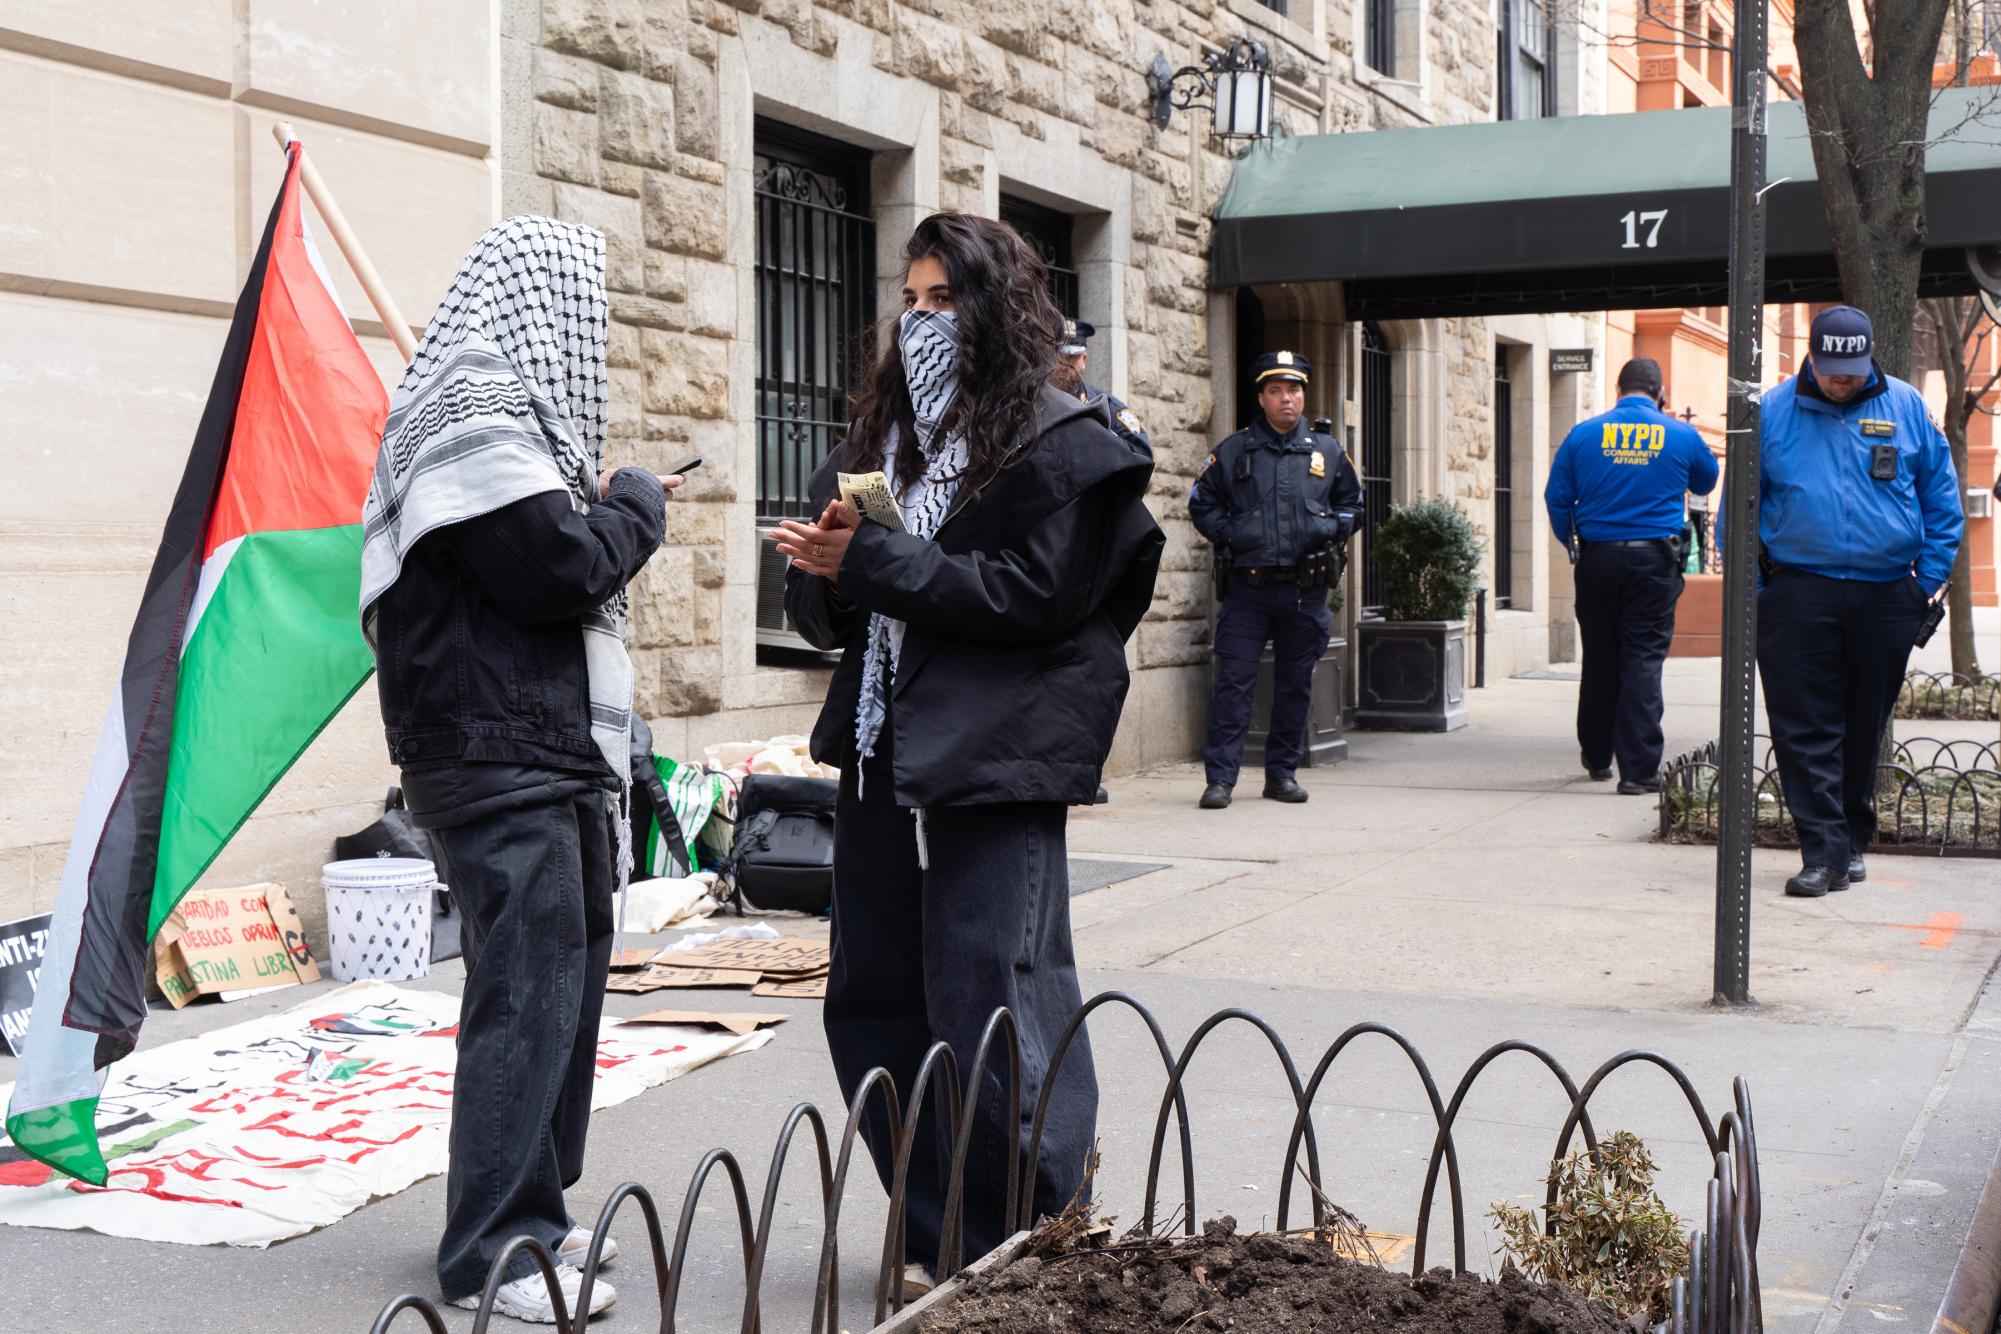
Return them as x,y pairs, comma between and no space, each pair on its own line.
930,344
505,399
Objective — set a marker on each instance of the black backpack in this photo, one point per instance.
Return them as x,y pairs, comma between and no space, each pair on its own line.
783,853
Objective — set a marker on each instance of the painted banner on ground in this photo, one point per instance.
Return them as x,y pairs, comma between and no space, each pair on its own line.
275,1127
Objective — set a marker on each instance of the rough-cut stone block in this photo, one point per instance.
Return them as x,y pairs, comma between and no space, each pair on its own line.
608,30
691,681
1018,25
928,49
666,30
636,120
987,78
667,279
1037,84
628,388
1178,643
685,217
566,144
712,298
698,119
661,614
622,178
622,346
619,219
565,81
645,312
685,376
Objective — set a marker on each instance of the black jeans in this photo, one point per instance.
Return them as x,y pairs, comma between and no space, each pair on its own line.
1625,617
928,956
1296,623
1832,654
535,885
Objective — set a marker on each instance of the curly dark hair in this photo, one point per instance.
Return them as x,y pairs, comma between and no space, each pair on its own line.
1008,331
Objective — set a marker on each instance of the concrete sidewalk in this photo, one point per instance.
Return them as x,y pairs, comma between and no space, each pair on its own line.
1465,889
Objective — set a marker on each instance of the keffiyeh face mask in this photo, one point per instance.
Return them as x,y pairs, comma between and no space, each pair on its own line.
929,340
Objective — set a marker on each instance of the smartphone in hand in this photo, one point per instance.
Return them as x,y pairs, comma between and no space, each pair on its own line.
684,469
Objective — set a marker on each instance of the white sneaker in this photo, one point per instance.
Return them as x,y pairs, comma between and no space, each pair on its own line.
917,1280
576,1248
528,1298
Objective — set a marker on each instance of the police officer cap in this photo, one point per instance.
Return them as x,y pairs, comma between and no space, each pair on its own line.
1841,342
1075,332
1281,366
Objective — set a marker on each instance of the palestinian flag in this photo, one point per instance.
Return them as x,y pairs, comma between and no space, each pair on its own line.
246,644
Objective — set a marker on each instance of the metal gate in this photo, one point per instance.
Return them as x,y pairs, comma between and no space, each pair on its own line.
1047,232
1376,421
815,276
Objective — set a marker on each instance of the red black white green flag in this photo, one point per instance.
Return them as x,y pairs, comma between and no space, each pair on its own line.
246,644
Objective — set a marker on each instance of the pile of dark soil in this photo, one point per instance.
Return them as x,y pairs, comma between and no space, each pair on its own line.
1259,1284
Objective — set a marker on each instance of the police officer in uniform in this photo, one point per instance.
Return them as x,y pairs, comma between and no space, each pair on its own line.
1072,356
1279,502
1859,516
1616,500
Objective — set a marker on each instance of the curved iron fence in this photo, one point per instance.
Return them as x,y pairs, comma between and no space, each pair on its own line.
1719,1293
1949,695
1932,795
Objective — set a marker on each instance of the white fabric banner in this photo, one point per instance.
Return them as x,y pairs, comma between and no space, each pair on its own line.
278,1126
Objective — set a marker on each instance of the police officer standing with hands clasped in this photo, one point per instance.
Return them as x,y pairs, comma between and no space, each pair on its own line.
1859,516
1279,503
1616,500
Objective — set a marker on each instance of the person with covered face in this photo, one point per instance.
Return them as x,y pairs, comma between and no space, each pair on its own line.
981,681
496,552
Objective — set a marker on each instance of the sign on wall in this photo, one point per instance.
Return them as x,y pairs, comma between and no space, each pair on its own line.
1569,360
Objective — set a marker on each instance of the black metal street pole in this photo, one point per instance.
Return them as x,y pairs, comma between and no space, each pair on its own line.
1737,724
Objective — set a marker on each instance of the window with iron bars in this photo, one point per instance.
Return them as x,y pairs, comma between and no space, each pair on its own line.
815,281
1377,402
1504,482
1048,233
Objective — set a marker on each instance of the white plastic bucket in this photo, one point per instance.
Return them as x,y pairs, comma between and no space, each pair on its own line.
379,917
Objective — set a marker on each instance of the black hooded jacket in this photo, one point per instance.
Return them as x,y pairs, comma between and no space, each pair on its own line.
1013,669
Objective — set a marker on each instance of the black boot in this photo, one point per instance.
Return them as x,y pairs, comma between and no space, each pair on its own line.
1857,872
1284,789
1599,774
1814,881
1215,797
1639,787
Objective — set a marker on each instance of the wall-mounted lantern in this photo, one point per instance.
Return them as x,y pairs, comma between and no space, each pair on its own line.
1237,84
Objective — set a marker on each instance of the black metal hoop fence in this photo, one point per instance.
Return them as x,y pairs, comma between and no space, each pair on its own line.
1719,1294
1936,796
1950,695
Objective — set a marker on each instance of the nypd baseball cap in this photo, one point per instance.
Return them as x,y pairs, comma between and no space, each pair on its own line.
1841,342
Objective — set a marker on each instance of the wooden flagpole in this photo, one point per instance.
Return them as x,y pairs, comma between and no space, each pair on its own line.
350,247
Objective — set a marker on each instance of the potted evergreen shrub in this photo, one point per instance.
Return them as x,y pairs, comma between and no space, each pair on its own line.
1411,664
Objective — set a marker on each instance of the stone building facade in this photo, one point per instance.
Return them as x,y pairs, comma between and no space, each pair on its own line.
688,131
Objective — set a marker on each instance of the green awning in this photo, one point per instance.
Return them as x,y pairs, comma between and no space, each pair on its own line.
1571,213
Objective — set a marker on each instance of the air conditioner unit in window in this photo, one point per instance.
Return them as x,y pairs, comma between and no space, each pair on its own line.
1979,504
774,627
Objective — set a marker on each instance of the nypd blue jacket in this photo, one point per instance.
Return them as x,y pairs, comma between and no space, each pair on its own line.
1272,500
1621,476
1821,508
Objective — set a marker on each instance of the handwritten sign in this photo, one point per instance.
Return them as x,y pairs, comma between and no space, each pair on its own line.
788,956
22,945
657,978
222,941
807,988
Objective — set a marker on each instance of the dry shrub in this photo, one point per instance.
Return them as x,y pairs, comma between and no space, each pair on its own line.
1610,1237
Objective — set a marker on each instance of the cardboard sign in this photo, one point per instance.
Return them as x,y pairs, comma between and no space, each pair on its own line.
657,978
809,988
22,945
631,961
742,1024
788,956
223,941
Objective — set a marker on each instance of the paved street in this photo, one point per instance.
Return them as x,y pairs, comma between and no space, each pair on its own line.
1465,889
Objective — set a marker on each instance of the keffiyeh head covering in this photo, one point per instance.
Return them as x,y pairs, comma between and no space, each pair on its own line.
929,340
506,399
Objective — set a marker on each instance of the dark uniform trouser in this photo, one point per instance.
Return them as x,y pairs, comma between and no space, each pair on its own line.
535,885
1625,615
927,956
1296,623
1832,654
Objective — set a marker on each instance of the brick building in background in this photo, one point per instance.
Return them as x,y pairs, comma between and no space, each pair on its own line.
755,166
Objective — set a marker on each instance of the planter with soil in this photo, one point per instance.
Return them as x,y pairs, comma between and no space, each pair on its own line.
1260,1283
